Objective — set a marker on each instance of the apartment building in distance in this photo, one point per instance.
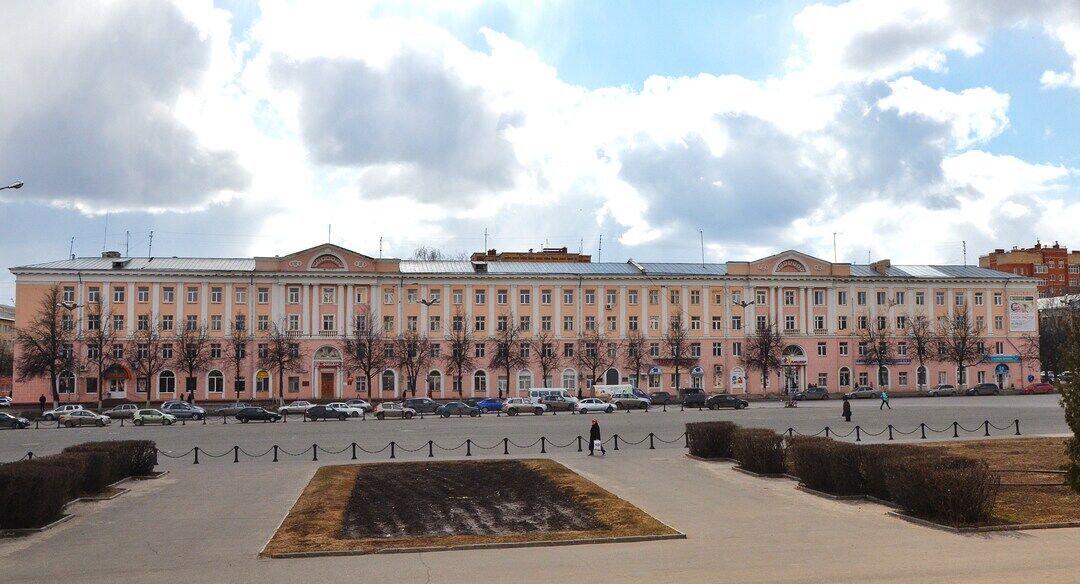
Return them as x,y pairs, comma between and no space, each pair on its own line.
322,293
1056,269
7,345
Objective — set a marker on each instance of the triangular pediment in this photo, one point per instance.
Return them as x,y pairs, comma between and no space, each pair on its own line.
791,262
326,257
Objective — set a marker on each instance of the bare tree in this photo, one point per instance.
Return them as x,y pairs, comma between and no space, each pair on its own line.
7,359
547,355
146,359
677,347
100,335
193,353
635,357
434,254
877,347
506,353
282,354
592,355
46,343
962,344
413,353
237,346
921,340
365,351
764,352
459,359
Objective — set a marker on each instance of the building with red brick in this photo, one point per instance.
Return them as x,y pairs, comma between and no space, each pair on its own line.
1057,270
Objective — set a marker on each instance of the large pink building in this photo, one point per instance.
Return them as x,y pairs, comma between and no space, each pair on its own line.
320,293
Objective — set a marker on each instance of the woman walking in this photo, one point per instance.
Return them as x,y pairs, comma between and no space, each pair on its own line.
847,409
594,438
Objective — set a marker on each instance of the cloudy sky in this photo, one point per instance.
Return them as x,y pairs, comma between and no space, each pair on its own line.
244,127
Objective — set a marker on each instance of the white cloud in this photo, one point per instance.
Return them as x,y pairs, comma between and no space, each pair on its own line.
974,115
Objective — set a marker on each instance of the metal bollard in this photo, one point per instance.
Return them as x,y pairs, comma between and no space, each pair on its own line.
203,421
224,419
616,441
285,417
682,408
858,434
826,431
651,447
686,439
183,421
314,453
1017,426
553,412
29,456
506,446
430,449
986,427
196,455
121,422
468,447
354,450
955,430
37,423
543,445
890,431
275,453
579,439
391,449
421,415
791,432
922,426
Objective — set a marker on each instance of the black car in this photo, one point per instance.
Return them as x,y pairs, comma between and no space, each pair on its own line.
694,399
984,389
723,400
474,401
9,421
813,392
660,398
422,405
247,414
324,413
457,408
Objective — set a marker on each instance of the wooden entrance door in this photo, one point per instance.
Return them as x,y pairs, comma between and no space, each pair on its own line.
326,385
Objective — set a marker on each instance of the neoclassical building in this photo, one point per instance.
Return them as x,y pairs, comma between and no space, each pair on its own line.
320,294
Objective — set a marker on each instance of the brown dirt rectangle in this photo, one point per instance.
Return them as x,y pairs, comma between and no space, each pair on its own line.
369,508
1023,504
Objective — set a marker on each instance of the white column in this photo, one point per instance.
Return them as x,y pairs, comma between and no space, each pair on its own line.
341,323
305,312
229,320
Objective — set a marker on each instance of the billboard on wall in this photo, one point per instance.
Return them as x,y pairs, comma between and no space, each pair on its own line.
738,378
1023,311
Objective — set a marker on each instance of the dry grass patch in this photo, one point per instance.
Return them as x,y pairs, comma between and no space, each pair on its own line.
1023,504
380,507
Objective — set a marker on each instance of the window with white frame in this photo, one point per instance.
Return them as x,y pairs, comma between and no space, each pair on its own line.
215,295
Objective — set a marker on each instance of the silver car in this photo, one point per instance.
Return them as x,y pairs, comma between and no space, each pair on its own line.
296,407
941,389
122,411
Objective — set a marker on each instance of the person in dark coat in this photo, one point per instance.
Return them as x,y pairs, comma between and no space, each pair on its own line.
847,409
190,396
594,435
41,402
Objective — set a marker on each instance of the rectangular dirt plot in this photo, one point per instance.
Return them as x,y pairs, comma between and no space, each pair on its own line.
391,507
459,499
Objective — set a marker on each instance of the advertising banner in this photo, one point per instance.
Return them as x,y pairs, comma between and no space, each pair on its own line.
1023,311
738,378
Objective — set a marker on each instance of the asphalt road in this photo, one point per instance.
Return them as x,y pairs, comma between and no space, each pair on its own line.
1038,415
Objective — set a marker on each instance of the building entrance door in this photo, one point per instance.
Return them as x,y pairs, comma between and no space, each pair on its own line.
326,385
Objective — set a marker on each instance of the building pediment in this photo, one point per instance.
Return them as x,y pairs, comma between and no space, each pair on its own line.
789,263
322,258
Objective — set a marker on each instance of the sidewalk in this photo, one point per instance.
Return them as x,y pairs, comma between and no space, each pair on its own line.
207,524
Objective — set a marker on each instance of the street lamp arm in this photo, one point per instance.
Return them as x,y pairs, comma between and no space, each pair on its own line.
14,185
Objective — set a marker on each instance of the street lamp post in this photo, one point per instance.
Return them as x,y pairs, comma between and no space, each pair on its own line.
14,185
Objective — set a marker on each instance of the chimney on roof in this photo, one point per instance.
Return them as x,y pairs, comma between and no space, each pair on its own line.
999,250
881,266
110,254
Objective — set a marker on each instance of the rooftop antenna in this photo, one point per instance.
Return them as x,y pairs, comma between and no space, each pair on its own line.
964,243
380,247
71,249
834,234
150,250
868,257
127,243
327,233
701,235
581,246
485,239
599,247
105,237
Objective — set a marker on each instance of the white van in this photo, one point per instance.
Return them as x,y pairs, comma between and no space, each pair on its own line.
537,394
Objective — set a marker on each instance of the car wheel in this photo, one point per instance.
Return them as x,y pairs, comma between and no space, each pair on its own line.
713,406
49,417
474,414
138,422
445,415
342,417
609,410
243,420
996,392
538,411
167,422
583,411
69,425
511,412
101,423
408,415
379,416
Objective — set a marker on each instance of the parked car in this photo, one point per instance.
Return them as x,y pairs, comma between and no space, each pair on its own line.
660,398
83,418
984,389
5,402
122,411
352,411
422,405
360,403
630,402
457,408
296,407
324,413
592,404
813,392
520,405
491,404
694,398
152,416
60,411
393,410
9,421
232,410
253,413
941,389
1038,388
183,410
724,400
558,403
863,392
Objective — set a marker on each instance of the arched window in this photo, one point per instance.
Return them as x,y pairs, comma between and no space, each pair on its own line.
569,379
845,377
65,382
434,381
921,376
262,380
166,382
883,376
479,383
215,382
524,380
388,384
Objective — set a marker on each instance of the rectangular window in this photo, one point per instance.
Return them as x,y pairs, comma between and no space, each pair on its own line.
819,323
545,323
999,348
632,297
612,323
328,323
718,349
93,322
568,349
695,323
901,349
215,322
939,298
143,295
327,295
294,384
718,298
736,349
959,298
69,294
654,350
819,297
500,296
760,297
479,350
999,322
789,323
736,323
434,324
882,322
978,299
388,296
480,296
411,295
479,324
192,295
525,323
262,350
263,296
695,350
590,323
191,322
590,297
881,298
717,323
654,323
841,297
524,296
841,323
118,294
762,322
860,298
821,349
843,349
899,297
695,297
167,351
94,295
294,295
412,323
998,300
675,297
294,322
920,298
457,296
823,379
118,322
654,297
215,350
215,295
903,379
388,324
545,296
612,297
241,295
863,322
263,322
862,349
167,322
789,298
568,323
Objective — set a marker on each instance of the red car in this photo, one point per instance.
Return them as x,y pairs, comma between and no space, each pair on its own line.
1038,388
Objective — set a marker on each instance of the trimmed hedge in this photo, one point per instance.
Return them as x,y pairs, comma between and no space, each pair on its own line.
873,460
758,450
710,439
126,458
33,495
957,491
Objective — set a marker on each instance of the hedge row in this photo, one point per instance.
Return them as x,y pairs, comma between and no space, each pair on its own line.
34,492
948,489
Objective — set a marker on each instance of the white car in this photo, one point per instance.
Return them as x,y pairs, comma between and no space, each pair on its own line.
393,410
359,403
593,404
5,402
353,411
60,411
521,405
296,407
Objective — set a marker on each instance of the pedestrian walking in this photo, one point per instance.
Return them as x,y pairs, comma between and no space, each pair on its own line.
847,409
190,396
594,438
41,402
884,400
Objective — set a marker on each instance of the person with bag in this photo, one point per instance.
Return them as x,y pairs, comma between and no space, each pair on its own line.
594,438
884,400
